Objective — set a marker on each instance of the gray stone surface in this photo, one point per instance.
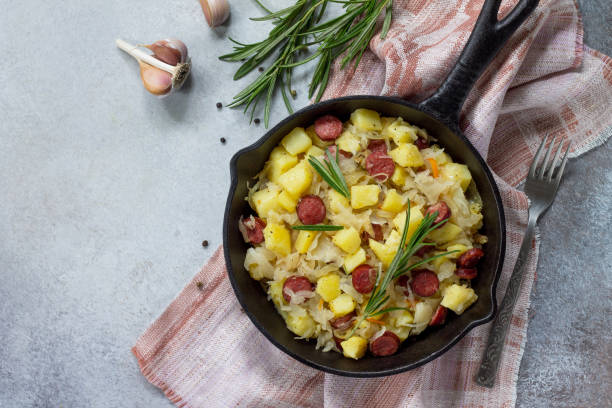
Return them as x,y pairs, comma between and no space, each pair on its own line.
106,193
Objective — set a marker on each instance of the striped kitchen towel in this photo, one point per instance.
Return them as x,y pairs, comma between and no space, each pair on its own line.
203,351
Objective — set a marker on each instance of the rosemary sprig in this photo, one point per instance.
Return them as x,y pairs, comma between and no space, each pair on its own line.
296,29
317,227
331,173
399,266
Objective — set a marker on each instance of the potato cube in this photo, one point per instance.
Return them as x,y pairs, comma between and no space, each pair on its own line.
328,287
366,119
265,201
287,201
405,318
277,239
315,151
348,142
422,312
354,260
458,298
275,291
399,176
342,305
304,240
401,332
437,263
355,347
280,162
416,216
301,324
364,196
457,173
297,141
400,323
407,155
400,132
297,180
457,247
393,239
337,202
347,239
281,156
446,233
383,252
393,202
386,121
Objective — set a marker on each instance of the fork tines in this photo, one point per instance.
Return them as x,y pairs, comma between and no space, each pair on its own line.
546,169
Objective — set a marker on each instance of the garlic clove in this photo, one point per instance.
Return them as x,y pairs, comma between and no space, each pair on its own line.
155,72
215,11
155,80
171,51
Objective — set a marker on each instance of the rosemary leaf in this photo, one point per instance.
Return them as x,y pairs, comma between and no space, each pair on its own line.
317,227
331,173
400,265
295,29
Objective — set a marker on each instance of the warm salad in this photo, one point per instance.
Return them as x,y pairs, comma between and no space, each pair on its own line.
364,233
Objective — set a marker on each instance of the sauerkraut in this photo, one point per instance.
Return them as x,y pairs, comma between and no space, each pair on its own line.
421,177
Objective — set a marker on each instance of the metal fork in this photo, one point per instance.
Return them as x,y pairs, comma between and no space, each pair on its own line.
541,188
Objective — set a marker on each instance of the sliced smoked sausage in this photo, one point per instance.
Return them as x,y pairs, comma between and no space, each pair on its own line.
328,127
296,284
470,258
424,250
343,322
377,145
421,143
364,278
338,342
439,316
385,345
378,234
424,283
252,229
311,210
379,165
402,281
442,209
466,273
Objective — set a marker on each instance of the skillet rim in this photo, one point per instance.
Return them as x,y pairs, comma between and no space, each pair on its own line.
501,221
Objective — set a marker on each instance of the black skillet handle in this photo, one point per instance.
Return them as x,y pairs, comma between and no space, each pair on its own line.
488,37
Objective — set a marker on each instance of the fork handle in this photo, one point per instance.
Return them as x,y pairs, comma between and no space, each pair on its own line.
499,329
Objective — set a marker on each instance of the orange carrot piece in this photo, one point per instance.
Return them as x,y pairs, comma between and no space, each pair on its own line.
373,320
434,167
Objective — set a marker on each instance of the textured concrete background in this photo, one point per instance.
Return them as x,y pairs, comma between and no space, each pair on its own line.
107,192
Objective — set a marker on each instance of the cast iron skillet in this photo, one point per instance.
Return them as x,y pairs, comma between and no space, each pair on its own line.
439,114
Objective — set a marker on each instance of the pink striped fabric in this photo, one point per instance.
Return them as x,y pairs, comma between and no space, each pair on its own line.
204,352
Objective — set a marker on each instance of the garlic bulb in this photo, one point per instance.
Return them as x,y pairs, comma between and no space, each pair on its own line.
215,11
164,70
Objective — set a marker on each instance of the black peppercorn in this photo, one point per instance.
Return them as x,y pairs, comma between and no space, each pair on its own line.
256,120
200,285
261,69
219,105
222,140
205,243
